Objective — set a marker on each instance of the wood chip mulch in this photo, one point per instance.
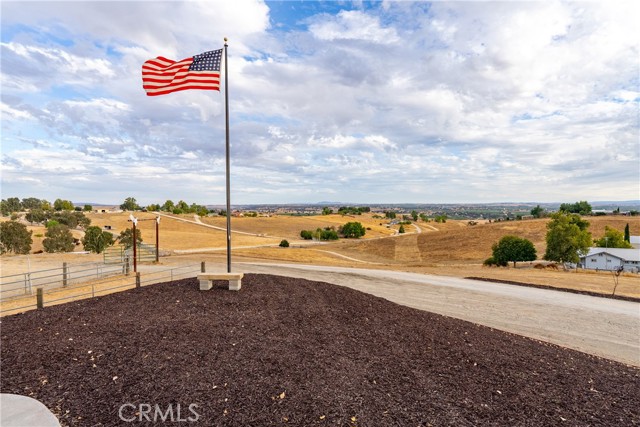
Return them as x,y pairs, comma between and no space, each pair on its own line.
286,351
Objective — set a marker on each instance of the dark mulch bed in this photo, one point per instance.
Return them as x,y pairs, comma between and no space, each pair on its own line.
290,351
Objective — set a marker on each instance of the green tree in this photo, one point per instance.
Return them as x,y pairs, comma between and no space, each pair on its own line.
306,234
582,207
126,237
10,205
538,212
129,204
31,203
353,230
401,229
72,219
328,233
441,218
168,206
36,216
62,205
183,206
327,211
513,249
96,240
390,215
284,244
612,239
58,238
627,235
87,208
414,215
567,237
14,237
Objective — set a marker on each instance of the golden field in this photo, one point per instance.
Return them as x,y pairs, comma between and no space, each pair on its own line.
453,248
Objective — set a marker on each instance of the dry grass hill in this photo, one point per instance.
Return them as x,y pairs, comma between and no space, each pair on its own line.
451,248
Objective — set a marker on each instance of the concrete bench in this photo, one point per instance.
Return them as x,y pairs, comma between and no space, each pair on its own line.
206,280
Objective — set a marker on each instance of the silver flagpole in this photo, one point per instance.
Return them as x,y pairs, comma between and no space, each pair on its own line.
226,109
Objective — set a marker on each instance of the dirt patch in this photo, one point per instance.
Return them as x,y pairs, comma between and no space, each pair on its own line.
575,291
291,351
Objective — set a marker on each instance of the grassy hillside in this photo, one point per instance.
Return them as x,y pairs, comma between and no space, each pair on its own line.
457,242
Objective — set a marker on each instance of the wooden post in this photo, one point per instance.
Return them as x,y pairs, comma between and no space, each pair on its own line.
65,274
202,267
157,239
137,279
126,266
135,245
40,298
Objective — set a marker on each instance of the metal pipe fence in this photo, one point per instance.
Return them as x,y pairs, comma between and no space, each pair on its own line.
17,285
98,287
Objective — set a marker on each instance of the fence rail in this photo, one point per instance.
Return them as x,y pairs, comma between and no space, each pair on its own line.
69,274
118,254
96,287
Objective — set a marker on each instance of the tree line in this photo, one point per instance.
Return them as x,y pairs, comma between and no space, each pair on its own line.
349,230
567,239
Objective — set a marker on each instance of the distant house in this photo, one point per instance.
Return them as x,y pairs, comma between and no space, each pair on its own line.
635,241
611,259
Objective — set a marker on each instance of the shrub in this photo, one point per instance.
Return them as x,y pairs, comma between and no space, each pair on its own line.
306,234
284,244
491,261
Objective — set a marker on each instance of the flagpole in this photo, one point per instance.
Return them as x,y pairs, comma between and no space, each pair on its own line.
226,110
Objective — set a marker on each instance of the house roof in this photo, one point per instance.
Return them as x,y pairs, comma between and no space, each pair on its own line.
624,254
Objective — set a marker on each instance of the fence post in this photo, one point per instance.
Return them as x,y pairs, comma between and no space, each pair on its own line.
137,279
40,298
25,283
126,265
202,267
65,275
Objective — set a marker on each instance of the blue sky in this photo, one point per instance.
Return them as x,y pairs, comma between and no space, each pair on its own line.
353,102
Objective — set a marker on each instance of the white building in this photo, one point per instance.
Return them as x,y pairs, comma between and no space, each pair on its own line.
635,241
612,259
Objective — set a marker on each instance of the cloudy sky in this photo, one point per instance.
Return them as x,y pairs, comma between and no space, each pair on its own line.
353,102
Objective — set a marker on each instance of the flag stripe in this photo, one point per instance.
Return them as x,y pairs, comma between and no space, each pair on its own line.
161,75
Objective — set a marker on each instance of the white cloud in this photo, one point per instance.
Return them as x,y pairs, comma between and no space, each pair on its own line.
352,25
374,104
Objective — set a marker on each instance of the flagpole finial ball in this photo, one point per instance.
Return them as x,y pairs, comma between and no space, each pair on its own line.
226,39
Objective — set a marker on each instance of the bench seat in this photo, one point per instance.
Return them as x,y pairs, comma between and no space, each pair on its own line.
206,280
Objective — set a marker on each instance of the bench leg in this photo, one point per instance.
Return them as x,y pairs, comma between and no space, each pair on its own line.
235,284
205,285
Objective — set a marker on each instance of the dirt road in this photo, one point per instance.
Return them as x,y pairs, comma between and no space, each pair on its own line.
600,326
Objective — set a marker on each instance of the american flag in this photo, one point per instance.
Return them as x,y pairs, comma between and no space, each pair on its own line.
161,75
